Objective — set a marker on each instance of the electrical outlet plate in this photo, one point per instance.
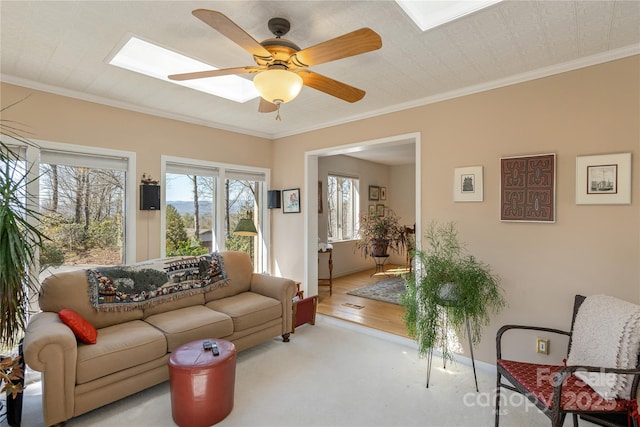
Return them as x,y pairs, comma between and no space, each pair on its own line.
542,346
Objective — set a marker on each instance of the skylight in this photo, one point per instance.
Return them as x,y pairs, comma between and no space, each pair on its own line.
149,59
428,14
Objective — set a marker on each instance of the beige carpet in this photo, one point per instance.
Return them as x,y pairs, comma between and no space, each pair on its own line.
332,374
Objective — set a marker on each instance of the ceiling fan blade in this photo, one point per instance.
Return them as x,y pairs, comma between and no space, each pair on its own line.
266,106
350,44
232,31
331,87
214,73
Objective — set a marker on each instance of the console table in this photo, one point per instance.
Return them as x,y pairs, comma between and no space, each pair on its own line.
327,281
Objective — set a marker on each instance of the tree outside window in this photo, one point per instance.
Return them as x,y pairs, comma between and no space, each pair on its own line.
192,211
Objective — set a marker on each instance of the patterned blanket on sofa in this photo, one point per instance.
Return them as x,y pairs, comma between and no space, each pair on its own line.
154,282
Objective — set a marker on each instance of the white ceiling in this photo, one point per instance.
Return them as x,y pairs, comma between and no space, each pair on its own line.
63,47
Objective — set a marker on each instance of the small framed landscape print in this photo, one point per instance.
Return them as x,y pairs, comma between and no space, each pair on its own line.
467,184
291,200
380,210
374,192
383,193
372,209
603,179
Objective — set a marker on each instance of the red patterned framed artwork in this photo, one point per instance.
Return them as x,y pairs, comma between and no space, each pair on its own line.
528,188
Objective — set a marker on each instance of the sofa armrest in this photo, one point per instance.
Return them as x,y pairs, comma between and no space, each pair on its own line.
51,348
277,288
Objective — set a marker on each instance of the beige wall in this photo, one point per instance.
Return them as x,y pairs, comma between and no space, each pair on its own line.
589,250
400,195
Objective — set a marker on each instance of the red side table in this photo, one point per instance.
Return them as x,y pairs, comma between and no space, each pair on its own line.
202,385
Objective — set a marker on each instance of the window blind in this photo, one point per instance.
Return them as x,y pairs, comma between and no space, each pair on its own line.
244,175
191,169
83,160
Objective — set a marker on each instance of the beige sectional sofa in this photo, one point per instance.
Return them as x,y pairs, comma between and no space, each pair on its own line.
133,346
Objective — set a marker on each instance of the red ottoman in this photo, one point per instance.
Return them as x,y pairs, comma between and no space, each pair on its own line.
202,384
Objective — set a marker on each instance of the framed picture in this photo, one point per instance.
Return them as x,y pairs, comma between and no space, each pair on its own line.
467,184
380,210
383,193
603,179
374,192
372,209
528,188
291,200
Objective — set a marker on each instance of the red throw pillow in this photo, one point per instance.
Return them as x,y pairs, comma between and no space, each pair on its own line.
83,330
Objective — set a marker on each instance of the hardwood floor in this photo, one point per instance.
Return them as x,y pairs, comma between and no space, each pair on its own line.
380,315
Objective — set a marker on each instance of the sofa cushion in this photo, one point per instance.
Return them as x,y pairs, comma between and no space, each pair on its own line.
248,309
197,299
191,323
119,347
83,330
71,290
239,270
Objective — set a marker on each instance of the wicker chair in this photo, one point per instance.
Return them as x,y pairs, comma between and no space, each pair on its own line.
560,392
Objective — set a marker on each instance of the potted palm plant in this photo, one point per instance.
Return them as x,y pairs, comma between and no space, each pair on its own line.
379,234
448,284
20,241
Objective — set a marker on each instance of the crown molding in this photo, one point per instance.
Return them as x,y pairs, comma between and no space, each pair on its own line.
470,90
483,87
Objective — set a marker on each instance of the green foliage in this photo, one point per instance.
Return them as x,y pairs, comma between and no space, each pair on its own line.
187,248
70,236
375,228
448,284
239,243
73,236
50,256
176,234
188,220
103,234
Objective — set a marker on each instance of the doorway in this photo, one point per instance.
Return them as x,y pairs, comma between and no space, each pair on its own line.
379,147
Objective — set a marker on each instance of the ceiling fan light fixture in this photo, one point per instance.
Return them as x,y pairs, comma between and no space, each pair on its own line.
278,86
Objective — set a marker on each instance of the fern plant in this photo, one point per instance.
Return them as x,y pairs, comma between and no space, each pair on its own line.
448,287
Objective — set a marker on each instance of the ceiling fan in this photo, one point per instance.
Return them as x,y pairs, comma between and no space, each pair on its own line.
282,67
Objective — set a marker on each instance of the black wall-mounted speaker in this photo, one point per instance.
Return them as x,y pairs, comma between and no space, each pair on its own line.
149,197
273,199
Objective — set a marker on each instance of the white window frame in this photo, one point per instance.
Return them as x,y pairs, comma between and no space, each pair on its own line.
355,196
231,171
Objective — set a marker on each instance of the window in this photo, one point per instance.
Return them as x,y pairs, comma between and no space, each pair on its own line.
82,199
343,207
190,217
204,203
82,194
